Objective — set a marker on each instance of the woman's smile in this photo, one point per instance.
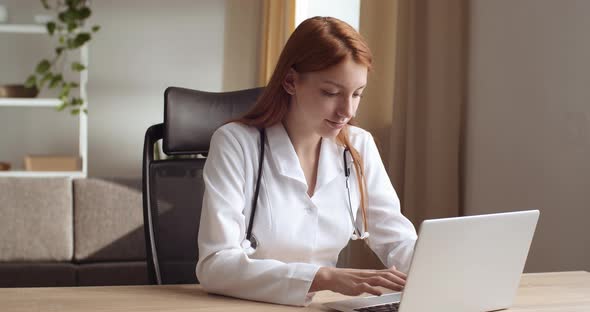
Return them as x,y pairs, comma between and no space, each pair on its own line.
335,125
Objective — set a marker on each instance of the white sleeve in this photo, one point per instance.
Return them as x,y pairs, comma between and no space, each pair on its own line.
223,266
392,235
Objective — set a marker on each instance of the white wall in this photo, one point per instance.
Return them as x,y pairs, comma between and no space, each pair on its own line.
528,122
143,47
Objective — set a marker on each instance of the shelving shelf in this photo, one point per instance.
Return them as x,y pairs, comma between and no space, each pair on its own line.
15,173
29,102
23,29
51,103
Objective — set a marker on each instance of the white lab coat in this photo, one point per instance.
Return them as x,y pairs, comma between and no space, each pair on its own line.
296,234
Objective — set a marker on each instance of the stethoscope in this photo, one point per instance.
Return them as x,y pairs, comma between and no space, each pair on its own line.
356,234
249,244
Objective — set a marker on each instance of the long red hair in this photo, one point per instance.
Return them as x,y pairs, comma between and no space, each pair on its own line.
316,44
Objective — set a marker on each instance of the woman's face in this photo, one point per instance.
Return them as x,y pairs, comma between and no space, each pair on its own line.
324,101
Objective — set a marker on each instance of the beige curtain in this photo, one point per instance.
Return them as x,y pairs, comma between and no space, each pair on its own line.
422,87
278,22
414,104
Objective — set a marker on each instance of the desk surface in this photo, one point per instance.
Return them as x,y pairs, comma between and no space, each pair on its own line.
561,291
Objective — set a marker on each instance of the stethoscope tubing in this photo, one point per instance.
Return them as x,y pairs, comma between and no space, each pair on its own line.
250,244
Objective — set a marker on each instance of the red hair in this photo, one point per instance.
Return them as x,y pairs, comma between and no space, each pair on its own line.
316,44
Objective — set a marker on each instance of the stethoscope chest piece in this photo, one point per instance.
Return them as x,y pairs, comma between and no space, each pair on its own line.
363,236
249,245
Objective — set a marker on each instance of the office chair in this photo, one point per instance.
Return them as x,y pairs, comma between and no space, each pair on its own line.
173,187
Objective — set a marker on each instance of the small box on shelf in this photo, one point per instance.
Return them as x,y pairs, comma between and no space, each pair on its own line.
4,166
52,163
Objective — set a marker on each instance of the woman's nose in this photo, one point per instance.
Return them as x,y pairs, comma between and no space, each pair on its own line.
346,109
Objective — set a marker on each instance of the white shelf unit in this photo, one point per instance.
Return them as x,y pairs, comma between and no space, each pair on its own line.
52,103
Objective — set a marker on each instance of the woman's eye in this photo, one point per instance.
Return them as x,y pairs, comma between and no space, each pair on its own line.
357,95
328,93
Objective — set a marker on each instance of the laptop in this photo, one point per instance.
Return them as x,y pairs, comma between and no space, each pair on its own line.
471,263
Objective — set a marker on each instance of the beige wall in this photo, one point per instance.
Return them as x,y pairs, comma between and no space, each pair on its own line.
528,122
243,28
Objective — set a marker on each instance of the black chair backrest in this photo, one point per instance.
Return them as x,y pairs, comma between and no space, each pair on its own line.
173,187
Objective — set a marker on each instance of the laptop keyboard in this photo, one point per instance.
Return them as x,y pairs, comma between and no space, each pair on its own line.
388,307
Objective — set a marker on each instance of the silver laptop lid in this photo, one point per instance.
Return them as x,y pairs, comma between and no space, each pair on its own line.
471,263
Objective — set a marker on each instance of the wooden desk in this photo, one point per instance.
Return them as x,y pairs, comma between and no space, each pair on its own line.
563,292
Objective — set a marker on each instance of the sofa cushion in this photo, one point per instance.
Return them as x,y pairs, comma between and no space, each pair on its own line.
37,274
112,273
36,219
108,223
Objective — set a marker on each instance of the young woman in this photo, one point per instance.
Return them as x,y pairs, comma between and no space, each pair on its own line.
319,181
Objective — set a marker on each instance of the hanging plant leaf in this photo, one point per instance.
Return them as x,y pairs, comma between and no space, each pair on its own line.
55,81
46,77
62,17
73,3
84,13
78,67
42,67
95,28
72,26
69,16
77,101
51,28
81,39
31,81
62,106
65,91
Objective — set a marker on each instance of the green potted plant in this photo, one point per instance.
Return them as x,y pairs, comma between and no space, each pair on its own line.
69,33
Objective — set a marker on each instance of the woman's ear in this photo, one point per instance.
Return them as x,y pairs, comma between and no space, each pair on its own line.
289,81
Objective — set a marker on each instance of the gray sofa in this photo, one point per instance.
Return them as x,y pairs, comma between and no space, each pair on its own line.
63,232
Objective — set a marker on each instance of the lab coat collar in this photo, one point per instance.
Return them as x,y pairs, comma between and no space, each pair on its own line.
283,153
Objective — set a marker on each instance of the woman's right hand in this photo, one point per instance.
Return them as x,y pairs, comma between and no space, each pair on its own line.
353,282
